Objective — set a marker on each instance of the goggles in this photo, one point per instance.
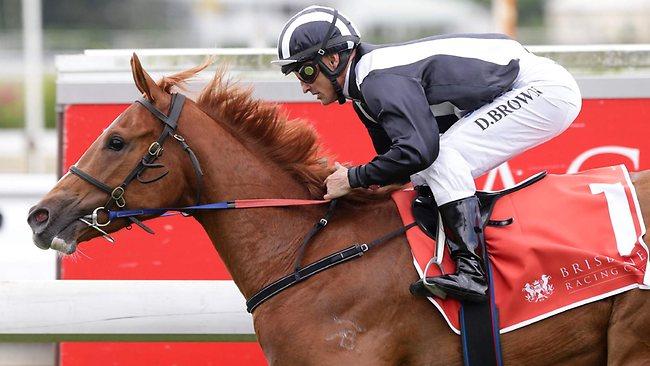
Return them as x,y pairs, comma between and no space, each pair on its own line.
308,72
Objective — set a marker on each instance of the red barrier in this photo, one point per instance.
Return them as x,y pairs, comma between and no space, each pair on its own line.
608,131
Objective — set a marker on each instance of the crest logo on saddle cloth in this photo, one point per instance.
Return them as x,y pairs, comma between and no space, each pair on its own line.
539,290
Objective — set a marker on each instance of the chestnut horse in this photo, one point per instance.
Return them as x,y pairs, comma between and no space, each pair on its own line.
358,313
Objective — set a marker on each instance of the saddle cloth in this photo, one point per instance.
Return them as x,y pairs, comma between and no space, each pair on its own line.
574,239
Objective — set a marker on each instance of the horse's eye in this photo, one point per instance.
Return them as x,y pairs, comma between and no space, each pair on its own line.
115,143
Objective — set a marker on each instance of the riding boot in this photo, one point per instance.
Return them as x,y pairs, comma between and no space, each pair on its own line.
461,220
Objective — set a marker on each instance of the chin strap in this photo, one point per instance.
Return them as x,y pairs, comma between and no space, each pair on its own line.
343,61
332,75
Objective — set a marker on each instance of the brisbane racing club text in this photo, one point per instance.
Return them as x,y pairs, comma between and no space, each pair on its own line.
502,110
601,269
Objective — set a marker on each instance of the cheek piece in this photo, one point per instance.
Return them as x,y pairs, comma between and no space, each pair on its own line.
343,61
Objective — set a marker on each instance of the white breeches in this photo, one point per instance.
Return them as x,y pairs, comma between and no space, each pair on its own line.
542,103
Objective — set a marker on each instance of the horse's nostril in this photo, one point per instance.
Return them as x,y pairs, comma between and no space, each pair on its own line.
39,217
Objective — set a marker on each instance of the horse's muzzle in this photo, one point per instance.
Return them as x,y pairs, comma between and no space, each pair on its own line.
47,226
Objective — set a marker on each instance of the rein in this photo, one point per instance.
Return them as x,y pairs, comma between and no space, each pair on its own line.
223,205
116,196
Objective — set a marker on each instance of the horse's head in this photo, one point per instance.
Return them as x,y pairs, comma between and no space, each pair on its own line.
124,166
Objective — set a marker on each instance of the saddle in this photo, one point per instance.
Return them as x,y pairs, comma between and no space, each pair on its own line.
480,343
425,212
578,238
425,209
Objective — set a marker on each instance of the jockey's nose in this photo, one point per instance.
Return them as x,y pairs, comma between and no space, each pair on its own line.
305,87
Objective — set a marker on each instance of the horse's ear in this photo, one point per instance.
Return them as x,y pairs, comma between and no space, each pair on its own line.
143,81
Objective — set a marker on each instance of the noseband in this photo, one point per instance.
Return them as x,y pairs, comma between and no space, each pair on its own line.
155,150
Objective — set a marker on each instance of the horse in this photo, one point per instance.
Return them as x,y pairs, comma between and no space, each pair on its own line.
360,312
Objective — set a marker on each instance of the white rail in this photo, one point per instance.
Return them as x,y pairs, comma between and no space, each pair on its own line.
54,311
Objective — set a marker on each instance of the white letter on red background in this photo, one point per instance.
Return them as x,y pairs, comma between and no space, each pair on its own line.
628,152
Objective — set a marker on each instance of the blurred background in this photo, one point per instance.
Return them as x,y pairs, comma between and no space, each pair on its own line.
32,32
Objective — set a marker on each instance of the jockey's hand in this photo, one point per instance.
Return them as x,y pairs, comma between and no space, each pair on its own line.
337,183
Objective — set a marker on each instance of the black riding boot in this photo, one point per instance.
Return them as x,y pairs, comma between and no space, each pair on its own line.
461,220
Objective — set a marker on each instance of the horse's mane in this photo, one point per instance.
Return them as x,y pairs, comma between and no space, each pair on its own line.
290,143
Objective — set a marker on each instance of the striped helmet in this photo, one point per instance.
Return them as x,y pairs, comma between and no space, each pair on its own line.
312,33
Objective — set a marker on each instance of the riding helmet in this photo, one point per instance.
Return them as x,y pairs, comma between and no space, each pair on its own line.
312,33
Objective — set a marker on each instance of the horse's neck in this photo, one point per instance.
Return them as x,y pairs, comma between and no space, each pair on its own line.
257,245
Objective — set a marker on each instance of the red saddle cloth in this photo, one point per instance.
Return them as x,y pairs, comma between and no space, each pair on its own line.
575,239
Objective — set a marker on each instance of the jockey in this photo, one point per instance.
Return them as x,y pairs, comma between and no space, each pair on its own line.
441,111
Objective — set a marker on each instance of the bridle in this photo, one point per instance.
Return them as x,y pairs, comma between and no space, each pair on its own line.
170,122
116,195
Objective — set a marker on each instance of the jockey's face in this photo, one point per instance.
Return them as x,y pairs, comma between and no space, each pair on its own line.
322,88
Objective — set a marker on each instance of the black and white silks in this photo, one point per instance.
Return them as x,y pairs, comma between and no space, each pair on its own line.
405,94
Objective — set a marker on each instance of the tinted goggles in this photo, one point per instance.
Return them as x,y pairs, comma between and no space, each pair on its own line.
308,72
